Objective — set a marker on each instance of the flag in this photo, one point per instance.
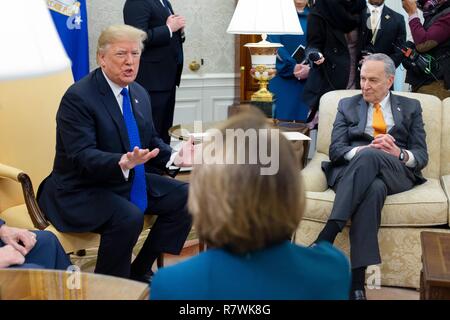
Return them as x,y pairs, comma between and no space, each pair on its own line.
70,18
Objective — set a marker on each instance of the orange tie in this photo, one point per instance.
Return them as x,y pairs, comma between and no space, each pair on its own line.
378,124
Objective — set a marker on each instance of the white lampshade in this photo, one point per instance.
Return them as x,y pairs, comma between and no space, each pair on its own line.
30,43
265,16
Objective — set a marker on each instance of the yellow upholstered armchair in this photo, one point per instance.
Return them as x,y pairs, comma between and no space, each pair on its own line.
27,141
405,215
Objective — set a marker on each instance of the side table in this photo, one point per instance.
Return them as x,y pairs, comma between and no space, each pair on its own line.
435,275
301,147
37,284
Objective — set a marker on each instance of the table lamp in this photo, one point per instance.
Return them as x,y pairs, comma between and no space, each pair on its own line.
34,74
264,17
31,46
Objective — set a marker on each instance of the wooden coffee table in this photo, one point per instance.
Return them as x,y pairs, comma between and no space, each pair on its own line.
301,147
33,284
435,276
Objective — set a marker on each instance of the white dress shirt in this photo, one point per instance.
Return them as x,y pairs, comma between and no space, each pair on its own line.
389,120
116,89
375,15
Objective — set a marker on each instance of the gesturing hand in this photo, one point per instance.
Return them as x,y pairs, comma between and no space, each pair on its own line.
185,157
139,156
386,142
20,239
10,256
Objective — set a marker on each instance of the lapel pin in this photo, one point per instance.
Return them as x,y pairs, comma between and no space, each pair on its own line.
136,100
387,17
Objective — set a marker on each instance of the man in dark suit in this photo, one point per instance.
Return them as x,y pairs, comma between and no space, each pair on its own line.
20,248
100,180
377,148
382,27
162,59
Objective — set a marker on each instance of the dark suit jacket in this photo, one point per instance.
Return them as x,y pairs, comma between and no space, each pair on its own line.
348,132
334,73
392,30
322,272
90,139
159,70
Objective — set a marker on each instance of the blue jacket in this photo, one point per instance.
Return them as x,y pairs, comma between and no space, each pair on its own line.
287,88
285,271
46,254
91,136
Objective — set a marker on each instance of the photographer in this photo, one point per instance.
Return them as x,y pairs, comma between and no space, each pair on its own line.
381,27
334,45
432,41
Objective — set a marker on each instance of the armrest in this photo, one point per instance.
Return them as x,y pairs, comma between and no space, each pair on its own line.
21,177
313,177
445,181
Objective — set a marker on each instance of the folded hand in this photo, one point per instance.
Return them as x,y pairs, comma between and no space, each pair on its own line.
21,240
386,143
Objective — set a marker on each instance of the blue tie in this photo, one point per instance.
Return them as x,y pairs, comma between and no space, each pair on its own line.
138,194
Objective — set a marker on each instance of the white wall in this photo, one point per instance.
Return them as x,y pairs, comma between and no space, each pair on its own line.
205,94
207,21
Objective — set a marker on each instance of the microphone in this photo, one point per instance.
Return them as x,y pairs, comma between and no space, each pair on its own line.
315,56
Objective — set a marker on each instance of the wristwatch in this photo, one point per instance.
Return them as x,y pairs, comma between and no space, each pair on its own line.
401,156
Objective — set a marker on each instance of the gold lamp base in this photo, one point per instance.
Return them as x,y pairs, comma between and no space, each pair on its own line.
263,94
263,55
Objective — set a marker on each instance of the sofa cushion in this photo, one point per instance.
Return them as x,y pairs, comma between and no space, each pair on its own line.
424,205
446,186
445,143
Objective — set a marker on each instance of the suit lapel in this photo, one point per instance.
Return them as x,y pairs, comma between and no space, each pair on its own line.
170,7
112,107
340,36
396,113
384,22
366,29
138,115
167,10
362,115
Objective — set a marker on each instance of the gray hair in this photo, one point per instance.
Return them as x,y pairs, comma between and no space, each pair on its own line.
389,66
120,32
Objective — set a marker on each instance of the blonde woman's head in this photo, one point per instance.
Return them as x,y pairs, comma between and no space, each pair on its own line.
235,206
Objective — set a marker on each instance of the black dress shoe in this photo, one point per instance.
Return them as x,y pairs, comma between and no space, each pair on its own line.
358,295
147,278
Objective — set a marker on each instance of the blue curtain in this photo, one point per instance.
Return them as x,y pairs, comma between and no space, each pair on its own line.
70,18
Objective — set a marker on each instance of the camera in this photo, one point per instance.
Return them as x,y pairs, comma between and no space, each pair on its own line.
419,63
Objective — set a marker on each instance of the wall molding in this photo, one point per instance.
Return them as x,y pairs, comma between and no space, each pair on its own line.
205,97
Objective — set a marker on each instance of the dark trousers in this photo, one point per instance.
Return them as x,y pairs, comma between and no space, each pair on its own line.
163,106
120,234
47,253
361,190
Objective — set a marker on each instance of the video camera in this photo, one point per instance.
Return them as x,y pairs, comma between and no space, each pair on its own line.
419,63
